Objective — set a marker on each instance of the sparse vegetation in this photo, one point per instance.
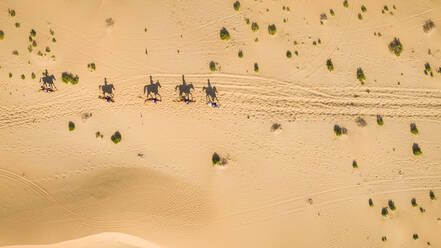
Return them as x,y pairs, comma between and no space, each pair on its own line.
428,69
416,149
345,3
354,164
330,65
276,126
52,32
33,33
272,29
432,195
360,121
39,53
11,12
296,53
67,77
23,77
360,17
391,205
331,11
54,40
384,239
236,5
360,75
98,134
116,137
30,48
256,67
17,24
371,203
212,66
48,49
339,130
413,128
91,66
110,21
33,75
224,35
10,75
384,211
396,47
415,236
71,126
380,121
215,159
363,8
240,54
288,54
428,26
2,35
422,210
414,203
34,43
15,52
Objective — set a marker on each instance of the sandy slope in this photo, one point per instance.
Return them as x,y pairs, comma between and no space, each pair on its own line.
293,187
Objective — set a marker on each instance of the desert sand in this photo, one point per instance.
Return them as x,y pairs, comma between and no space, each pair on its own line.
296,185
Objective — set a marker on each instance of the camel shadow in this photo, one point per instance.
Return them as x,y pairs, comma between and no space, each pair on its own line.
48,84
107,91
152,91
210,93
185,91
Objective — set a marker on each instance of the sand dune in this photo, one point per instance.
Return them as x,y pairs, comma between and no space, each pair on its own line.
296,185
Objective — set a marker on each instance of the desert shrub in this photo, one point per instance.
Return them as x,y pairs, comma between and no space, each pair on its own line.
330,65
413,128
345,3
10,75
33,75
34,43
432,195
288,54
247,20
296,53
30,48
339,130
314,43
415,236
110,21
422,210
215,159
11,12
363,8
360,122
371,203
17,24
2,35
48,49
39,53
276,126
360,17
224,35
256,67
33,33
354,164
212,66
416,149
380,121
360,75
67,77
71,126
391,205
254,26
91,66
319,41
428,25
331,11
395,46
385,8
384,239
23,77
116,137
15,52
414,203
240,54
54,40
384,211
323,17
272,29
52,32
236,5
98,134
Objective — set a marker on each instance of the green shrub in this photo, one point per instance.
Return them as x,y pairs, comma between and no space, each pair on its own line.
254,26
331,11
98,134
414,203
240,54
380,120
296,52
391,205
363,8
23,77
17,24
345,3
11,12
224,35
384,239
395,46
54,40
415,236
15,52
30,48
215,158
212,66
337,130
67,77
71,126
385,8
360,75
432,195
33,75
34,43
428,25
371,203
236,5
256,67
416,149
413,128
33,33
360,17
354,164
272,29
10,75
2,35
314,43
422,210
330,65
48,49
384,211
39,53
91,66
288,54
52,32
116,137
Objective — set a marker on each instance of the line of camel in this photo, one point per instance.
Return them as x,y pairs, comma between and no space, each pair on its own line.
152,89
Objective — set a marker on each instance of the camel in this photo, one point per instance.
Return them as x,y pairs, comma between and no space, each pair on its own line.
152,88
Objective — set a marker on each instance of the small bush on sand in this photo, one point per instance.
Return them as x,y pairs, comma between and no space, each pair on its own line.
240,54
380,121
432,195
254,26
48,49
67,77
2,35
33,33
345,3
23,77
212,66
395,46
91,66
331,11
224,35
276,126
391,205
39,53
422,210
371,203
110,21
272,29
415,236
360,121
413,128
236,5
11,12
256,67
354,164
414,203
15,52
360,17
288,54
116,137
384,239
34,43
428,26
17,24
363,8
10,75
360,75
71,126
416,149
330,65
384,211
33,75
54,40
98,134
215,159
30,48
339,130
